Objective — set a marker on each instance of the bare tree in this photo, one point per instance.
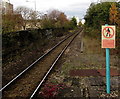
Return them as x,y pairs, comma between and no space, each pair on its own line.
54,14
54,19
35,18
25,12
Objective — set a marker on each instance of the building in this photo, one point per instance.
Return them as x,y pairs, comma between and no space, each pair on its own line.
7,7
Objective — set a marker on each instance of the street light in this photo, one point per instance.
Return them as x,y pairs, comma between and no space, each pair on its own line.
34,3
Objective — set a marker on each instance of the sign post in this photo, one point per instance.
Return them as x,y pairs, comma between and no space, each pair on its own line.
108,70
108,41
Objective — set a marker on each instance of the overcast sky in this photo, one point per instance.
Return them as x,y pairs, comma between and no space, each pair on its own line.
69,7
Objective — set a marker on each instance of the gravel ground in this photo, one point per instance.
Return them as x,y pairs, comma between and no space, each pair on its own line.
76,57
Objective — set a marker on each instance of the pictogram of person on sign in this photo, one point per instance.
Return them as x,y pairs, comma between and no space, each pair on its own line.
108,33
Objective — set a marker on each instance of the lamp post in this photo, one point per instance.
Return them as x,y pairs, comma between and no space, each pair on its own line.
34,3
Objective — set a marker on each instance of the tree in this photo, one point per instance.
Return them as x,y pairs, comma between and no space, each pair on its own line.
53,15
34,18
25,12
80,24
18,19
118,21
97,15
54,19
46,22
113,14
73,22
62,19
11,22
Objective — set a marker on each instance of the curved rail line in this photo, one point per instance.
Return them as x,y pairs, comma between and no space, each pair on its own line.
30,66
40,84
33,64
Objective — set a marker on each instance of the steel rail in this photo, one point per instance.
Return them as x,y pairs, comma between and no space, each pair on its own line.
15,78
41,82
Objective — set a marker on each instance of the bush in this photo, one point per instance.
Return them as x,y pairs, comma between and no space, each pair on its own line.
94,33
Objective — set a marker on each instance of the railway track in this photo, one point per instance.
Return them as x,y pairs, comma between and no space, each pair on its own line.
35,74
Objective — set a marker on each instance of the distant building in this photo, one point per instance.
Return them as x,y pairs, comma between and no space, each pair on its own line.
7,7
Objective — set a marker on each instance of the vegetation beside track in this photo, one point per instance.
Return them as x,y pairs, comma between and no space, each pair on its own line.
16,43
35,72
101,14
37,30
27,54
92,58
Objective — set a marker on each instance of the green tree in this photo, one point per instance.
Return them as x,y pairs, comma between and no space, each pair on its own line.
97,15
73,22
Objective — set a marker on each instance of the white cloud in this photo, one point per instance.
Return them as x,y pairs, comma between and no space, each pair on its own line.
70,7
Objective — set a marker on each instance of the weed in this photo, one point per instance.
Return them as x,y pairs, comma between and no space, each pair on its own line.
51,90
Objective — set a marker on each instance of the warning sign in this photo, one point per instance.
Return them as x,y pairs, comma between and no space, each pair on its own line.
108,36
